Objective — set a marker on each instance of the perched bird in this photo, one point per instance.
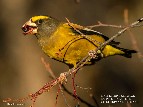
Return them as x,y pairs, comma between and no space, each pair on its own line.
70,43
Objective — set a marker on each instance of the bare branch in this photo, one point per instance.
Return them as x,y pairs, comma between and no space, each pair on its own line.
104,25
132,36
79,98
93,97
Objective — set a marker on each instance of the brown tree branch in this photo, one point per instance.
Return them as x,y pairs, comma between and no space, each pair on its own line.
79,98
93,97
100,24
132,36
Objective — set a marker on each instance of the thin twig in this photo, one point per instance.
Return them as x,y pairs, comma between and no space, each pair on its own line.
79,98
104,25
48,68
93,97
83,88
132,37
81,34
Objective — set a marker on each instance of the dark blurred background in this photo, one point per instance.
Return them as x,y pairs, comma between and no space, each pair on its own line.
21,70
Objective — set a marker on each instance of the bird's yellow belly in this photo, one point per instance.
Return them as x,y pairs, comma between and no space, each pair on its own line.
78,50
68,50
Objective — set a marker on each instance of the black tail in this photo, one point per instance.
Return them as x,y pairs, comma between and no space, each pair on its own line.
127,52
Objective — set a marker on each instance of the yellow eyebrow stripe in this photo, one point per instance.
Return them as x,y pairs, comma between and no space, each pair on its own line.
35,18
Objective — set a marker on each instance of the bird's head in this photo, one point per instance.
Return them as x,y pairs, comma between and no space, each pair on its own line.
31,26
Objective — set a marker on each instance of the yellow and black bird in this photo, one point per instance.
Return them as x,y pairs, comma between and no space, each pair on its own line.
65,42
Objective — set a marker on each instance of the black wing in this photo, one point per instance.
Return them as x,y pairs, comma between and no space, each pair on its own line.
91,32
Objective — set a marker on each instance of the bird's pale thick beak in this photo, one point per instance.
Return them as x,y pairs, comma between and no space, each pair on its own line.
29,28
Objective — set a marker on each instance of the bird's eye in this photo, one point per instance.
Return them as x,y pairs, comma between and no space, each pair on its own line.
39,21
